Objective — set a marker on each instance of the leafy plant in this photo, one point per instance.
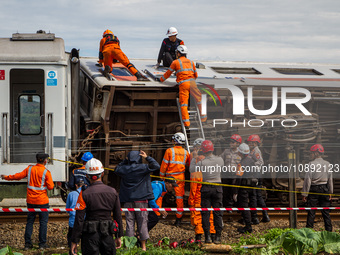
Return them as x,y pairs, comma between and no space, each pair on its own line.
8,251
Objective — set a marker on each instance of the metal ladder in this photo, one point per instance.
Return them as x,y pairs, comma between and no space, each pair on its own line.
196,128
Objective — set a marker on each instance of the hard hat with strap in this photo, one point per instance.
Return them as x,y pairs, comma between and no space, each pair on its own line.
107,32
254,138
317,148
236,138
244,149
171,31
207,146
179,138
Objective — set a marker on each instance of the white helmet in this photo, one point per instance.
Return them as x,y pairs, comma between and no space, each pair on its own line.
244,148
179,138
182,49
94,167
198,141
171,31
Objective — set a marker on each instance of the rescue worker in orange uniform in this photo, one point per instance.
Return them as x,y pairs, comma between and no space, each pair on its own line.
194,200
175,160
186,78
39,179
109,51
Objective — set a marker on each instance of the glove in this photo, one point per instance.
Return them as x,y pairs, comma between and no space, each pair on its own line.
235,197
156,66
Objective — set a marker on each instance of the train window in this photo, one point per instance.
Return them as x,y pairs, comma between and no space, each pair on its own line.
29,114
297,71
336,70
235,70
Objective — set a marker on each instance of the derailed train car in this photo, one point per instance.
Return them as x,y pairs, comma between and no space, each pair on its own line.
291,107
62,104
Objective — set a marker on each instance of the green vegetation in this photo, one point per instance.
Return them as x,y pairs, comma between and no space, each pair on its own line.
291,241
8,251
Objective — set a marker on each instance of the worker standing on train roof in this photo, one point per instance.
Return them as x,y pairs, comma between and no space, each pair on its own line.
79,175
175,160
318,182
255,153
93,223
39,179
167,52
186,78
231,159
194,200
109,51
211,194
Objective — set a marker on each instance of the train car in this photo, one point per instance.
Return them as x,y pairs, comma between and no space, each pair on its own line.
290,105
35,80
64,105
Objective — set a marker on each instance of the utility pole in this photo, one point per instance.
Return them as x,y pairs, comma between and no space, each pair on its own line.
292,187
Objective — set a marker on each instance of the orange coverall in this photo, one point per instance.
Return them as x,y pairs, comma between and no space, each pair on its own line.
110,48
195,201
186,75
174,162
36,190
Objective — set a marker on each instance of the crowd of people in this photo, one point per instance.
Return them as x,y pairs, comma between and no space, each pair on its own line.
94,202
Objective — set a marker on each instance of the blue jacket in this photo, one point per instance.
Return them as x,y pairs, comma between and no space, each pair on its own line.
135,182
158,188
71,203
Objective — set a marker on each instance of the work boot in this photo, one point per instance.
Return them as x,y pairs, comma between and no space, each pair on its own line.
178,222
255,221
43,246
218,237
213,236
198,237
107,70
207,237
245,229
28,246
141,77
265,217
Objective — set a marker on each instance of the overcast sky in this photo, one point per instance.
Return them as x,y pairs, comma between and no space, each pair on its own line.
231,30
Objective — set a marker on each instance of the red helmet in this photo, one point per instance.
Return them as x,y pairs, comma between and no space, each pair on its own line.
107,32
207,146
318,148
254,138
237,138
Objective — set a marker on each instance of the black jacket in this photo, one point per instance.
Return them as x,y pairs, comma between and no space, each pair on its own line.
135,184
168,46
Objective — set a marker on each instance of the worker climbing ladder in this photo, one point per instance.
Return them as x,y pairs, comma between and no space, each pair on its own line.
196,128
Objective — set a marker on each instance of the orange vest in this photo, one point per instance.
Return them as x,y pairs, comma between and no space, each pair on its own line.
174,162
39,179
185,70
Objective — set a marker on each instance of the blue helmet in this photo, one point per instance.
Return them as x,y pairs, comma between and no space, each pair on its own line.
87,156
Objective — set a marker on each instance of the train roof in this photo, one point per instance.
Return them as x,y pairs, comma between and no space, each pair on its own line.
220,73
35,48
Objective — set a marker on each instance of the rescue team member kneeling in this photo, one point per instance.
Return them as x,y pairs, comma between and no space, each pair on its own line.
39,179
96,204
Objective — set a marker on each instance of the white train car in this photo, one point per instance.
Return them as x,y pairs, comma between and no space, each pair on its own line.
35,102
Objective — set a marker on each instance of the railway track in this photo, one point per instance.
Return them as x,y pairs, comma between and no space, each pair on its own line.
227,217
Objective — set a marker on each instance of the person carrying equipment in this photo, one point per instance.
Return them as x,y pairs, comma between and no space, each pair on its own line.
79,175
255,153
109,51
167,52
175,160
186,79
194,200
318,182
95,205
211,195
39,180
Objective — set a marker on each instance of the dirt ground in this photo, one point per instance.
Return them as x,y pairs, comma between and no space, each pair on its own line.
13,234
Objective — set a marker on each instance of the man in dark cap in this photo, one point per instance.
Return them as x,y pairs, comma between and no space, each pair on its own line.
39,179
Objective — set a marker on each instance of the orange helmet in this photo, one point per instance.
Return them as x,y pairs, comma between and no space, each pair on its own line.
254,138
107,32
318,148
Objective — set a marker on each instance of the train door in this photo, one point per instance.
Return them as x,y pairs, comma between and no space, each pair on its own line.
27,136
